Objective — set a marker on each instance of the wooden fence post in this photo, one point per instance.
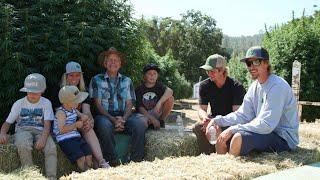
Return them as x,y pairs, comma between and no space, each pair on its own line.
296,70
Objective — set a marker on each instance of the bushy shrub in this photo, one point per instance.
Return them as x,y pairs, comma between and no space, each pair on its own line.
170,75
238,70
298,40
42,36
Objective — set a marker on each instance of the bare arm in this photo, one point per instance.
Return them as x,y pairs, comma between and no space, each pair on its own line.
145,112
46,129
60,115
5,128
101,110
41,142
167,94
202,112
86,110
88,121
128,109
3,135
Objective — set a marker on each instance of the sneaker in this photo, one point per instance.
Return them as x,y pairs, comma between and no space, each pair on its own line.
162,123
105,165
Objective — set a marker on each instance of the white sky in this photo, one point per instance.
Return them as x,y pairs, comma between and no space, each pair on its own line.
234,17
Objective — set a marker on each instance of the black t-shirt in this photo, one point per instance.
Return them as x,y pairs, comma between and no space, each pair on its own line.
148,97
221,99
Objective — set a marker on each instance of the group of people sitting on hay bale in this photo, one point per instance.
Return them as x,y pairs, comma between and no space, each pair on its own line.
263,119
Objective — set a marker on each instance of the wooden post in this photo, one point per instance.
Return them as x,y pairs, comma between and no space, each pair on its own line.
296,70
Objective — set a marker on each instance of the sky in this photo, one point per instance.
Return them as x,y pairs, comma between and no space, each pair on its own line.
234,17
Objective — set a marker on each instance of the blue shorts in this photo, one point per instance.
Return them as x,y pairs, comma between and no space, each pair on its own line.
75,148
262,143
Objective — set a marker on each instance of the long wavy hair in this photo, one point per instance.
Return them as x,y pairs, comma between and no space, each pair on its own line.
81,85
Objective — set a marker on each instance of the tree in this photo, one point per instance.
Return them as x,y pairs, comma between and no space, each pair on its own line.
42,36
192,39
298,40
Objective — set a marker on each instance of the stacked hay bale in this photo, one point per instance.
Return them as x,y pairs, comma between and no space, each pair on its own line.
9,160
167,142
207,166
159,144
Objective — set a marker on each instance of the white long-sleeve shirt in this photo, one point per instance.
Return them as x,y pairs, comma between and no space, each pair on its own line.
266,107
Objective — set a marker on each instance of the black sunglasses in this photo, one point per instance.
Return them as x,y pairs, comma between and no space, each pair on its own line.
255,62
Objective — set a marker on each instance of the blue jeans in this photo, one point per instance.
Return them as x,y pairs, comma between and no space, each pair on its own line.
134,127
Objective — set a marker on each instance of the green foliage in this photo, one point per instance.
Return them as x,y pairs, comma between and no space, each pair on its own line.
298,40
238,70
242,43
170,75
192,39
42,36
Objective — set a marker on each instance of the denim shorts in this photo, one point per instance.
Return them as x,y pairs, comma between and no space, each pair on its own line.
262,142
75,148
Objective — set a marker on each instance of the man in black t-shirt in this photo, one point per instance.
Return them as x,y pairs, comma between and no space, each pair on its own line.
223,93
154,100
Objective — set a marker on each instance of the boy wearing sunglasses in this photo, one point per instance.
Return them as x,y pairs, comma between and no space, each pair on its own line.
267,120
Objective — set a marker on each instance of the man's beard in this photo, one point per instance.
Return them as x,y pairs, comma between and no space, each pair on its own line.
254,77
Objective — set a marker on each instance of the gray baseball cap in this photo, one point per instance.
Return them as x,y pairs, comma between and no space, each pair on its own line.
214,61
35,83
73,67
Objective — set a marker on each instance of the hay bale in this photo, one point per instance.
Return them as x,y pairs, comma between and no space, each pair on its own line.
9,160
214,166
310,130
165,143
204,166
29,173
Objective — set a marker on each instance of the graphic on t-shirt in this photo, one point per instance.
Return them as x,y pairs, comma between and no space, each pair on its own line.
149,100
31,117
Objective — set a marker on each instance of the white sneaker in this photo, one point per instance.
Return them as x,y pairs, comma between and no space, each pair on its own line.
105,165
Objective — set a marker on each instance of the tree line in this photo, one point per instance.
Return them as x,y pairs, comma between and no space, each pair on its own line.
43,35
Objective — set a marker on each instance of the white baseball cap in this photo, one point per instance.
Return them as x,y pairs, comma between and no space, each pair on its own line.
71,94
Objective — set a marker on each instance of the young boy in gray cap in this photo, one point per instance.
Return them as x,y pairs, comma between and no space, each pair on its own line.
33,115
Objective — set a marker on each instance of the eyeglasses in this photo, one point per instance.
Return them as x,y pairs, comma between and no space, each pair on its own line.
255,62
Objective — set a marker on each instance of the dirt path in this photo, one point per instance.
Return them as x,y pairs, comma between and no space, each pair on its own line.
188,108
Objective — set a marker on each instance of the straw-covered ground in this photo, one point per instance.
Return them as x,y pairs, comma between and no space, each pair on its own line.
217,166
192,166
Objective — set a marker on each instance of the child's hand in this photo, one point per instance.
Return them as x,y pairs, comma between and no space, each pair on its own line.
3,139
86,125
41,143
79,124
84,117
155,122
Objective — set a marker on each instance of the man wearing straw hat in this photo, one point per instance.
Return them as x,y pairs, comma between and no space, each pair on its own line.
113,95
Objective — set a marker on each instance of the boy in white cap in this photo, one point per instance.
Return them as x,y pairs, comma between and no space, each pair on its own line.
66,125
33,115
